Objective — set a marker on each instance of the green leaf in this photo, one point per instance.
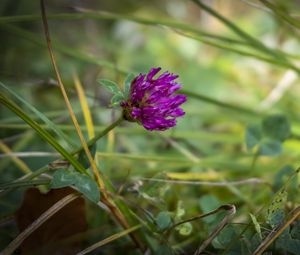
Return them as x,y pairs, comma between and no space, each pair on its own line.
208,203
88,187
253,136
276,127
62,178
180,211
295,232
164,249
275,212
226,236
163,220
110,86
127,84
292,246
117,99
185,229
285,242
270,147
83,159
256,225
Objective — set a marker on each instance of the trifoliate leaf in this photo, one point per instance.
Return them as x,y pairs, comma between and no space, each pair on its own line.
276,127
253,136
270,147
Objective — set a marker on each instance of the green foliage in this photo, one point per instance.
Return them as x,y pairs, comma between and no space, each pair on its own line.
118,94
208,203
276,127
269,147
286,242
163,220
253,136
275,211
87,186
185,229
110,86
39,114
63,178
256,225
295,232
230,76
269,135
127,84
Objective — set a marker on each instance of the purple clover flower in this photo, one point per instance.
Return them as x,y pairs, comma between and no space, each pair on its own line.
152,101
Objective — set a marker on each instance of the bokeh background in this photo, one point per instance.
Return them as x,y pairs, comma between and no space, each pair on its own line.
231,83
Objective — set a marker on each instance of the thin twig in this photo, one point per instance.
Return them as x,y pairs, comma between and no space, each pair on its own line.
277,231
20,163
203,215
231,211
38,222
67,101
108,240
105,198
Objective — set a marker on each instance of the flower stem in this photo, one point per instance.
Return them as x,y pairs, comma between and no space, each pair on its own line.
101,134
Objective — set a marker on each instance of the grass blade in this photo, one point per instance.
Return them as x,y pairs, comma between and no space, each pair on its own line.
256,44
20,163
282,14
85,107
108,240
42,133
47,121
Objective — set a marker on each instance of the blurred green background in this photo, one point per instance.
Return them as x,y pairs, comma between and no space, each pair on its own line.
208,144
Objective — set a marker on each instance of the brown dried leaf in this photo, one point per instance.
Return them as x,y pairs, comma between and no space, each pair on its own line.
48,239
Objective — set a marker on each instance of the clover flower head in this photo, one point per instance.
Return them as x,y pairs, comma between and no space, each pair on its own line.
152,101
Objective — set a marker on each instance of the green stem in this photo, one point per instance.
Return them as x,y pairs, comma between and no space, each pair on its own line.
100,135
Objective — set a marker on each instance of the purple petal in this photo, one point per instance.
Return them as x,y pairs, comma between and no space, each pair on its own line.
152,73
